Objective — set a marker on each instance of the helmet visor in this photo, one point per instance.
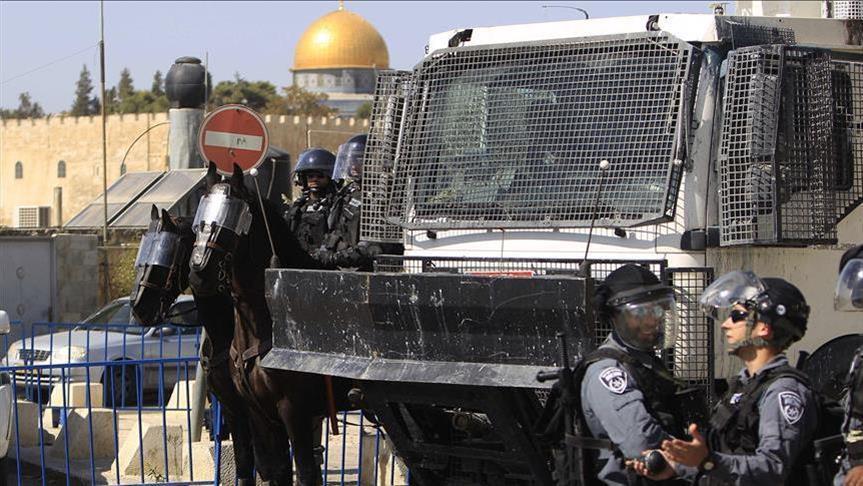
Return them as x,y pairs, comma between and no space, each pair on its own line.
736,287
849,287
648,324
349,162
226,211
157,249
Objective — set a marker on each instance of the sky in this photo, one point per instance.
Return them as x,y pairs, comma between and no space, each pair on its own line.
43,45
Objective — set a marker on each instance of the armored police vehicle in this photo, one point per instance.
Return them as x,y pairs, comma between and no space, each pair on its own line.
520,164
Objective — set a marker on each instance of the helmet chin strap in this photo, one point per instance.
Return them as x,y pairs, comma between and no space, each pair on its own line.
755,342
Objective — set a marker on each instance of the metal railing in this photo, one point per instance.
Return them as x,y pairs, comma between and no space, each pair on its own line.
120,412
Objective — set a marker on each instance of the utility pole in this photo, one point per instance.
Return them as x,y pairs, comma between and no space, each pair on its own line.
104,147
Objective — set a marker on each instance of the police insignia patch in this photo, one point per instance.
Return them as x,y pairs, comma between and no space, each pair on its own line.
735,399
614,379
791,406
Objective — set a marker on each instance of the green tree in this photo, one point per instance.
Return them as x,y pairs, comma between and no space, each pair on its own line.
255,94
28,109
158,88
364,110
84,104
297,101
128,100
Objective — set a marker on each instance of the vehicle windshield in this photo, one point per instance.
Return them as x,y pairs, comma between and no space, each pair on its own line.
514,136
116,317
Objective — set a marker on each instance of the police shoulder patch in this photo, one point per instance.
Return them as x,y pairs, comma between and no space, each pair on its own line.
614,379
791,406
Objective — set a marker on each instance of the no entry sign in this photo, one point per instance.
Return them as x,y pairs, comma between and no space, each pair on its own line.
233,134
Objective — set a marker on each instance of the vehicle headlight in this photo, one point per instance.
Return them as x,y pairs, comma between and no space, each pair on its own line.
67,354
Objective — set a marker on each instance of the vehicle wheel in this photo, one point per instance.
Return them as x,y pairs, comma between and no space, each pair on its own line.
119,383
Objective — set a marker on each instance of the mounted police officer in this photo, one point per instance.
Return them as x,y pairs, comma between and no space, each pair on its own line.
761,431
849,298
308,214
341,246
628,396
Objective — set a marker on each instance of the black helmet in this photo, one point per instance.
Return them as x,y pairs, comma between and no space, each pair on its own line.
849,286
772,300
314,159
349,161
641,308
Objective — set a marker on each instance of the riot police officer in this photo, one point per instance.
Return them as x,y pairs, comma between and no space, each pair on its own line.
307,215
849,298
627,393
761,431
341,246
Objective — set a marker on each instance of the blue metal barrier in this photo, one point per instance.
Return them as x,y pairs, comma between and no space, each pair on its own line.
136,367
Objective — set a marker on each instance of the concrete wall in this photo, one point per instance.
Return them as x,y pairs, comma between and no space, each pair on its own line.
77,273
41,143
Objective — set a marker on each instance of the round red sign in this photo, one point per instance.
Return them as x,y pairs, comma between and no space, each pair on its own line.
233,134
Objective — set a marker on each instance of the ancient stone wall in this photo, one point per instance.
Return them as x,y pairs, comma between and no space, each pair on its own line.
40,144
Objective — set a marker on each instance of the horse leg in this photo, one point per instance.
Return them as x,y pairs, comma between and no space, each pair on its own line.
301,428
235,412
271,450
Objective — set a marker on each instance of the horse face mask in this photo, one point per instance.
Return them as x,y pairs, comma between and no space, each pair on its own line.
219,222
156,267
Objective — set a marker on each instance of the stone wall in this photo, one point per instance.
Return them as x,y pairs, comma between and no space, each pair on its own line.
39,144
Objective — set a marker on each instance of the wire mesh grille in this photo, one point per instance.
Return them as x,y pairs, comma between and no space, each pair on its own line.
775,154
847,9
692,357
381,149
752,34
512,135
847,86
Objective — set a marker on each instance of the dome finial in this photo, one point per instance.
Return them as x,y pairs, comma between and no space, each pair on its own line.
341,4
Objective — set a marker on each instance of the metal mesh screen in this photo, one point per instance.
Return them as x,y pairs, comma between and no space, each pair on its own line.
692,357
380,155
847,87
847,9
776,172
512,135
751,33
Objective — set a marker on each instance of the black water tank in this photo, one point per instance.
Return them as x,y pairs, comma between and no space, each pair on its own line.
185,84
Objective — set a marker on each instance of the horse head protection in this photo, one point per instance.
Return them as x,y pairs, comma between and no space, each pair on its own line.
223,216
158,276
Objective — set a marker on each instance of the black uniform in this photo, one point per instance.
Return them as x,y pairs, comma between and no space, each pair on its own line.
308,220
340,245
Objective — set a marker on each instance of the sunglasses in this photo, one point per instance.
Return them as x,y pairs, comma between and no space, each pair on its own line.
737,315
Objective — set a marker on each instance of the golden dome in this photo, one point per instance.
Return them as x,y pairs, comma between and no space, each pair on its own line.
341,39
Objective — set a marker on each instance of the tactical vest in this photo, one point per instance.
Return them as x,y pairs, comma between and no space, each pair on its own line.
308,220
734,427
577,461
655,382
344,219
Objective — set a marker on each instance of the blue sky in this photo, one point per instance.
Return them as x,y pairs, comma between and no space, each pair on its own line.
255,39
